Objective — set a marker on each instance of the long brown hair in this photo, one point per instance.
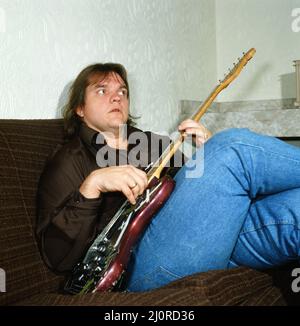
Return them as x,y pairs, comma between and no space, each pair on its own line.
77,93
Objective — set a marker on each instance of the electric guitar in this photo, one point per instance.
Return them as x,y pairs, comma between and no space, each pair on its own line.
107,258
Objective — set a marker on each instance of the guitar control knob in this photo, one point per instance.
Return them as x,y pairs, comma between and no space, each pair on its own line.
102,248
98,258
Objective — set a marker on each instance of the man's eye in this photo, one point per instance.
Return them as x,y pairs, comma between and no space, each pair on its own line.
101,91
123,92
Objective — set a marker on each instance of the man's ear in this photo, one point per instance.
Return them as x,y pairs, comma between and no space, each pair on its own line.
79,112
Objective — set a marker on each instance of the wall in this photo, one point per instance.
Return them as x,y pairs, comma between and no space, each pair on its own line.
267,26
168,48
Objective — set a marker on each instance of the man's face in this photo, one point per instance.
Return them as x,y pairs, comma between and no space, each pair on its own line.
106,104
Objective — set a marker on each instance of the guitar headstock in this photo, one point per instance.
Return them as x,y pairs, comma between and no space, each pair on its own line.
235,71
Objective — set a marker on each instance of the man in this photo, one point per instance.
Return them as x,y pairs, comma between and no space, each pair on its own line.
230,216
72,204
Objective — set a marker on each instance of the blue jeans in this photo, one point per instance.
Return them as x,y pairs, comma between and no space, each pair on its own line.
243,210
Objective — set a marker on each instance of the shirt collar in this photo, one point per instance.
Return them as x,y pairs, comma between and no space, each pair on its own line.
87,134
89,137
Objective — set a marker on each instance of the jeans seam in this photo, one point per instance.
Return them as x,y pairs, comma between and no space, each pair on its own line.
230,144
296,226
269,151
254,146
169,272
281,222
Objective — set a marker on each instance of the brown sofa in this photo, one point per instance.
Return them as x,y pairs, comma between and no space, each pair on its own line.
24,148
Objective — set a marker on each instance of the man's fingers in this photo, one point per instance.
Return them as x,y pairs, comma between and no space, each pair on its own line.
129,194
141,174
140,177
193,131
188,124
136,182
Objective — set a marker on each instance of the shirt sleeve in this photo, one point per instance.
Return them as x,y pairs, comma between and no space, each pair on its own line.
66,219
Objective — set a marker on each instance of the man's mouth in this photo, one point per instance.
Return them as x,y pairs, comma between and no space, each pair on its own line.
115,110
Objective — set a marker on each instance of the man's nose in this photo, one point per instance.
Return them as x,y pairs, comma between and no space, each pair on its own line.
115,97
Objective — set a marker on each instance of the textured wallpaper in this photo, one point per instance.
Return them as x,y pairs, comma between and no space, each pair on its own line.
273,28
167,46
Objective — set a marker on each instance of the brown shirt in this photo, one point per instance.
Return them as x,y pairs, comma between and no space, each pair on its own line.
67,221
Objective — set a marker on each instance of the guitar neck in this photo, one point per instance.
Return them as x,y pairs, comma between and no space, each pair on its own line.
169,152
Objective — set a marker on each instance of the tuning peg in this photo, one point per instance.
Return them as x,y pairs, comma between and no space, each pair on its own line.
244,53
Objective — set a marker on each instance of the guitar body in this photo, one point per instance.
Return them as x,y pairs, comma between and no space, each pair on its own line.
108,257
133,232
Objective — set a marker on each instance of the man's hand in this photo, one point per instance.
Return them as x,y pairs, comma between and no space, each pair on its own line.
126,178
197,130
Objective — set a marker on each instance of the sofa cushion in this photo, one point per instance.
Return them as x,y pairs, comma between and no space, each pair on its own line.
240,286
24,147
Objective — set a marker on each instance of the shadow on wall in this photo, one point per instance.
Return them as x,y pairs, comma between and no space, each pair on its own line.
62,100
288,85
